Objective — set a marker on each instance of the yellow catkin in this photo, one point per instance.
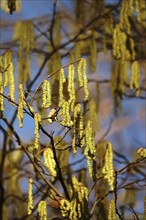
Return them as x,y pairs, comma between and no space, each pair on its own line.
92,114
116,47
135,79
81,129
140,7
11,81
1,86
104,42
112,210
90,151
42,210
127,9
108,170
82,77
57,30
138,10
1,95
23,68
75,209
77,51
119,43
54,63
71,89
77,112
78,116
142,152
17,5
65,114
37,120
7,61
71,56
50,162
93,52
24,33
132,46
9,74
65,207
21,105
74,148
119,77
46,98
52,116
81,190
30,197
86,91
62,80
131,6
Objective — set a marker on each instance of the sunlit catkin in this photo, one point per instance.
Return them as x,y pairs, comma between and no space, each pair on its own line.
108,170
9,74
24,33
112,210
50,162
65,207
81,129
1,86
21,105
30,197
142,152
71,89
86,90
80,202
11,81
90,151
46,98
77,208
65,114
80,74
135,78
52,116
127,10
138,10
78,115
78,119
1,93
62,80
7,61
92,114
37,120
81,190
82,77
42,210
119,43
